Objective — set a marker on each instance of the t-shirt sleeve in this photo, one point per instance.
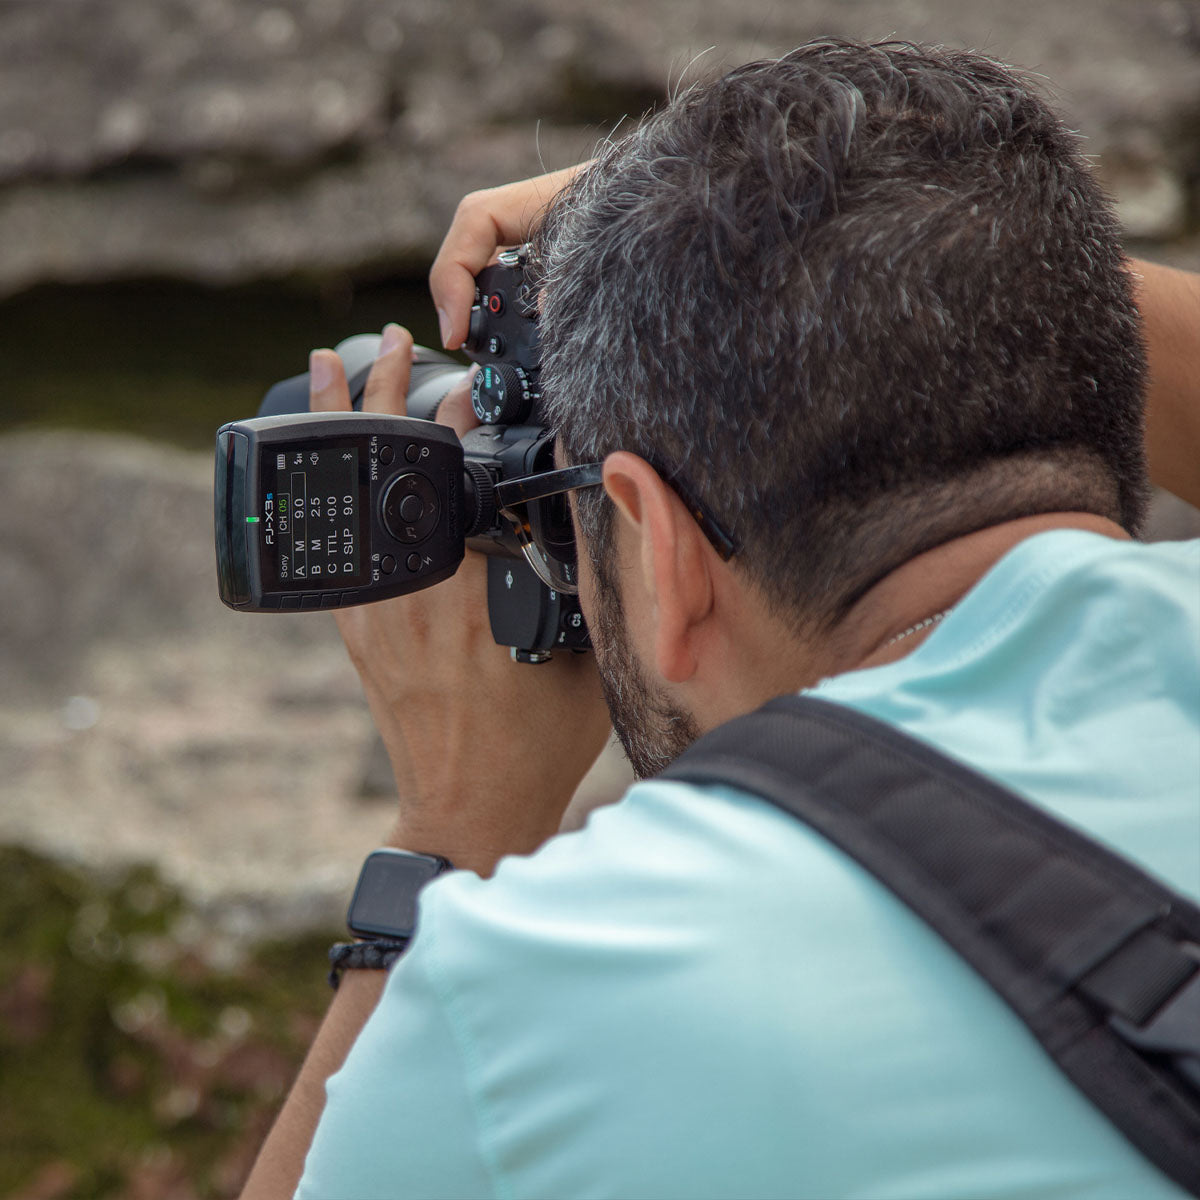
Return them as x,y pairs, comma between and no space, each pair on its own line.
399,1120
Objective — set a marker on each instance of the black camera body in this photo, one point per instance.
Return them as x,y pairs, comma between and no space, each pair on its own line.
318,510
503,339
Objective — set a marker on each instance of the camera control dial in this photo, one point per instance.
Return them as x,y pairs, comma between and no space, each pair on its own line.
502,394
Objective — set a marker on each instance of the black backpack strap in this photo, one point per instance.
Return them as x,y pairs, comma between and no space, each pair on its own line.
1101,961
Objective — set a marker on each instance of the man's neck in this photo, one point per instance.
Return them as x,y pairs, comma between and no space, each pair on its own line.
905,602
932,584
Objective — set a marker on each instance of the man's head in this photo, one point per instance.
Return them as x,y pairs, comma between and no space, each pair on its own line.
857,302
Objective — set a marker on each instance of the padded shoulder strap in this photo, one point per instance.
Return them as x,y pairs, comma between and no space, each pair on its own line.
1101,961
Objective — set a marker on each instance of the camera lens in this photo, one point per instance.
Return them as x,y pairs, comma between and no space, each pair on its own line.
428,385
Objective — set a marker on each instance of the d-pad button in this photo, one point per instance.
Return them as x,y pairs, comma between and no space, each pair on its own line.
410,508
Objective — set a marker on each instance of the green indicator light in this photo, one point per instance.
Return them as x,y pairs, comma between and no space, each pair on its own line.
251,520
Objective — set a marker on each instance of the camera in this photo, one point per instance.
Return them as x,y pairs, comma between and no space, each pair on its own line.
328,510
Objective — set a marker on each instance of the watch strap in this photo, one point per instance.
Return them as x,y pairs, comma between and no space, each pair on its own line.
369,956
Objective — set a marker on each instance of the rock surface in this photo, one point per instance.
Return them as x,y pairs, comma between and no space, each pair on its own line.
142,720
220,141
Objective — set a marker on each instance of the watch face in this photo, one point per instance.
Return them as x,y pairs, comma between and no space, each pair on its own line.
385,901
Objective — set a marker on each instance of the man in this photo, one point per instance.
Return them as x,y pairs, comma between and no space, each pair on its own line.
863,311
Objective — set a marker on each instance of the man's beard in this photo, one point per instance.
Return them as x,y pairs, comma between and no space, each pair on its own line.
653,731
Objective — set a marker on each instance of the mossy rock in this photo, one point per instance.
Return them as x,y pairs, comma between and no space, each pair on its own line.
142,1054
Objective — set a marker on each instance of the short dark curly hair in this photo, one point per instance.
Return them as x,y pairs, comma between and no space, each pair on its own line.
862,299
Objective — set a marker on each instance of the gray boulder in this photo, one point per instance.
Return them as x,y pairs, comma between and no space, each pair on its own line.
219,141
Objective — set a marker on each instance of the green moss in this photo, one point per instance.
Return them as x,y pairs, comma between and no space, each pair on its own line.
128,1060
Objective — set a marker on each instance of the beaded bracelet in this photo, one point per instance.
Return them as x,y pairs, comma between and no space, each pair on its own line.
370,956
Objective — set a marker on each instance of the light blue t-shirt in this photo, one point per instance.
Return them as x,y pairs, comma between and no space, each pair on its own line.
697,996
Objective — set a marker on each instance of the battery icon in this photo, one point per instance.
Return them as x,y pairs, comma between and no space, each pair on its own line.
280,462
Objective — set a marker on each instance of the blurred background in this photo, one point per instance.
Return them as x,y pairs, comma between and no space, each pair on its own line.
192,194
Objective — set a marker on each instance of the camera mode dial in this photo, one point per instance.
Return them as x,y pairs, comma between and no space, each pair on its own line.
502,394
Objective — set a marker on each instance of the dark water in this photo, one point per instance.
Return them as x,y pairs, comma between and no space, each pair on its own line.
172,361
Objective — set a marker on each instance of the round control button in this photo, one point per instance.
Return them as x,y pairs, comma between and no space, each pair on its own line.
386,454
387,564
410,508
527,301
495,303
412,452
495,345
413,562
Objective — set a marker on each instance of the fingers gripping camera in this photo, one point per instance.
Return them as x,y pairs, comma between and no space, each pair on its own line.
317,510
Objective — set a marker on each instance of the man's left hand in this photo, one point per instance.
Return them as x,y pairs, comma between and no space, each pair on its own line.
487,752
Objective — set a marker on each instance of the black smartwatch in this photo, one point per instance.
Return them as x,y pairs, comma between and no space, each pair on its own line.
383,911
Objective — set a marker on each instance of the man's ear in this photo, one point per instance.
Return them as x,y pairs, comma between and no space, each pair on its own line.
672,557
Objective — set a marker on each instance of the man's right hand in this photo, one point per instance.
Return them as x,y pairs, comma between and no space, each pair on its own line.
485,222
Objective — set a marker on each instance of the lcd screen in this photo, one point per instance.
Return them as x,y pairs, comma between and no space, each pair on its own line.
385,900
312,505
